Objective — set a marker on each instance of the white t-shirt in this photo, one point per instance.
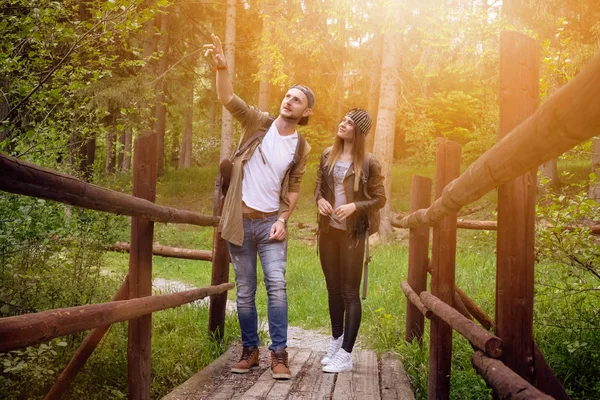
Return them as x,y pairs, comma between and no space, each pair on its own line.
264,171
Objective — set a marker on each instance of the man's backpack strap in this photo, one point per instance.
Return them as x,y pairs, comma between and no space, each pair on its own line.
299,152
258,135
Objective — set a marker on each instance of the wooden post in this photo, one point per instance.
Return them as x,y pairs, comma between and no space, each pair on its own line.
140,268
220,274
443,264
519,98
418,256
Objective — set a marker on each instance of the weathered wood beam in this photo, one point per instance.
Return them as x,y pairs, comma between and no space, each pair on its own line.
166,251
506,384
21,177
85,350
139,339
31,329
568,117
459,305
479,337
219,275
418,258
475,310
519,98
415,300
545,379
443,268
493,226
477,225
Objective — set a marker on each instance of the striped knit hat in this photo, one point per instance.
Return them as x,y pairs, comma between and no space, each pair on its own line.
361,119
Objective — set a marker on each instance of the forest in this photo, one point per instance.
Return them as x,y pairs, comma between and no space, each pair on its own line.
80,80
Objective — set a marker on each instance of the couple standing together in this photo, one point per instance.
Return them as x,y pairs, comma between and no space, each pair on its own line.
266,173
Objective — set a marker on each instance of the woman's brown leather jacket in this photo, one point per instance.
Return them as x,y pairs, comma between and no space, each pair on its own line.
369,198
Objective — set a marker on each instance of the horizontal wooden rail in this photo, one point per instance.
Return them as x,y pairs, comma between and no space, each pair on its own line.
493,226
166,251
475,310
85,350
31,329
506,383
21,177
415,299
479,337
568,117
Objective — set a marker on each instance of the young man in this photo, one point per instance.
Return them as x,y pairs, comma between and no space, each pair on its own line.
265,181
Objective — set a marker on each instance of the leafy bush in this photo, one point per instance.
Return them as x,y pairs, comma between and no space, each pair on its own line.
568,287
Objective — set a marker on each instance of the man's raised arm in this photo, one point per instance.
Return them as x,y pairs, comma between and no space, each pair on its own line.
224,85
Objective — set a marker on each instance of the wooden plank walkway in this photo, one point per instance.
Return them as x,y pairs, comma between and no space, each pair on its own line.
371,379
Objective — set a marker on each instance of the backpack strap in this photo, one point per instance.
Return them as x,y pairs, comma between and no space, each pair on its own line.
258,135
365,171
366,267
299,152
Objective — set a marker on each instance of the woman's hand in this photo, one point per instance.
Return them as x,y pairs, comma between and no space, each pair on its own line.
343,212
324,207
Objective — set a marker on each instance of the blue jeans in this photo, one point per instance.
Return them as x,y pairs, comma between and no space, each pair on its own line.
273,255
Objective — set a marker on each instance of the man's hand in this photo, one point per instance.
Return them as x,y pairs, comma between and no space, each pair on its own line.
215,49
278,231
343,212
324,207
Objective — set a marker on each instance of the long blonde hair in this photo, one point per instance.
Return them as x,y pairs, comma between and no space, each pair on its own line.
358,154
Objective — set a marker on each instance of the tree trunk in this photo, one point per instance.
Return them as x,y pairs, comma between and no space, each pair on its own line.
161,108
127,140
386,121
175,156
185,155
264,93
110,150
595,189
373,102
212,116
227,119
549,170
4,109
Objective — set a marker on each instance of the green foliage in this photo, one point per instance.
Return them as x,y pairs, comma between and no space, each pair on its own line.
567,294
32,364
560,242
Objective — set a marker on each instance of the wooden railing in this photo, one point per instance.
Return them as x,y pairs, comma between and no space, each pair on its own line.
509,361
133,301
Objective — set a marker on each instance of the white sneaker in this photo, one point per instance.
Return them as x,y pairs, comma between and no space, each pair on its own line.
342,362
334,346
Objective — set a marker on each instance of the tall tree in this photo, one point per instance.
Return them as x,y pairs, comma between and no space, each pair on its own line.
386,120
264,74
185,155
161,107
227,119
375,73
595,188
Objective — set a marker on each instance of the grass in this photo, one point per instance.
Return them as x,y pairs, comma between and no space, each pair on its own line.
181,346
382,327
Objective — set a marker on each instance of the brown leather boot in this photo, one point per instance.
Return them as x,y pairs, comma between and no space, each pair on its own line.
248,361
279,365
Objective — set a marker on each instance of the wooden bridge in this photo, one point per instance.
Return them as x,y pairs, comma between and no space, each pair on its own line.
371,379
510,363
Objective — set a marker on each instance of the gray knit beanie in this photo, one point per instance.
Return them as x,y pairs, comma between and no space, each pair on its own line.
361,119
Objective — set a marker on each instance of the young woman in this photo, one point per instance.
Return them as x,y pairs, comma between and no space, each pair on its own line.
349,187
